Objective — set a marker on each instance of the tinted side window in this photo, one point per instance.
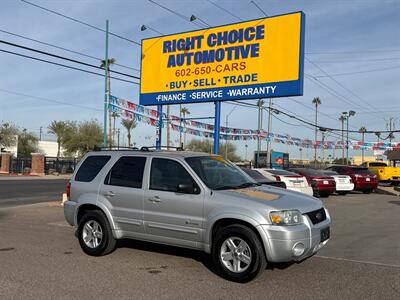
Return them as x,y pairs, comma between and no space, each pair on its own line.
91,167
127,171
167,174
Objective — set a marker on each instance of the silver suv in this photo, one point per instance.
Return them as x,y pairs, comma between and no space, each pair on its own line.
192,200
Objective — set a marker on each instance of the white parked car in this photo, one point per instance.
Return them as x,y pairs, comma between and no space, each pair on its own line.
293,181
344,183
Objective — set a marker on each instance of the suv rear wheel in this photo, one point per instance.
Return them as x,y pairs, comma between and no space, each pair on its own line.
95,235
238,253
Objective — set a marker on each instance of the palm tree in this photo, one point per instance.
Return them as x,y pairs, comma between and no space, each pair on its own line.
103,65
316,101
129,125
184,111
61,130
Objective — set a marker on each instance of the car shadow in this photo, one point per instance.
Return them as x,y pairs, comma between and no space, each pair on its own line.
197,255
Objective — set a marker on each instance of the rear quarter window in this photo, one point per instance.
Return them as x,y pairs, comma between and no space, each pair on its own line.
91,167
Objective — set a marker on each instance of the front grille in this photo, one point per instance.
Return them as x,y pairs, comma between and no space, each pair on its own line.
317,216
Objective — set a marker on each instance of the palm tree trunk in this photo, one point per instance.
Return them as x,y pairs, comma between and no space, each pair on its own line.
129,138
58,155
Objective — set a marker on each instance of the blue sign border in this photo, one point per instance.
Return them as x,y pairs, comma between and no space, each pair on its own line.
282,88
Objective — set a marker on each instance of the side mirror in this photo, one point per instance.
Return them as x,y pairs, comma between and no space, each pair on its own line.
185,188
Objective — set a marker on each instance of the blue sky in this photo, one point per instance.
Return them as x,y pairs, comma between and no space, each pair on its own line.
341,37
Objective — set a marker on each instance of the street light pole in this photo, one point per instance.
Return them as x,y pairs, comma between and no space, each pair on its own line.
348,115
342,119
226,134
106,91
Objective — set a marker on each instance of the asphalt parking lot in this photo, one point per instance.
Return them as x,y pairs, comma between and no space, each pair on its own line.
41,258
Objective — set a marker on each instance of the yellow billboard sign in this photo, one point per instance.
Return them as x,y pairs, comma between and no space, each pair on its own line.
252,59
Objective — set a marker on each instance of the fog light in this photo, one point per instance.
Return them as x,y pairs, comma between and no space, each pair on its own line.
298,249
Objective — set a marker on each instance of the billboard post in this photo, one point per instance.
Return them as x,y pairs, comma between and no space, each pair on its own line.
159,127
217,124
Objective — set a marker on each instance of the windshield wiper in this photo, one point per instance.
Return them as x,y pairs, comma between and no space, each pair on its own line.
224,187
247,184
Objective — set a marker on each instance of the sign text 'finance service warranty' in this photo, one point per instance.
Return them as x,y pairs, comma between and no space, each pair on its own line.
255,59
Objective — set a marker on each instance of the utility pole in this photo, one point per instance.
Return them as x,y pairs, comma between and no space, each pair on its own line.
391,125
106,91
269,130
40,133
260,104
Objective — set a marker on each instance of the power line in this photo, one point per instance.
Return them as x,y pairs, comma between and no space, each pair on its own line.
359,72
64,58
174,12
256,5
65,66
353,52
48,100
327,75
341,85
64,49
81,22
225,10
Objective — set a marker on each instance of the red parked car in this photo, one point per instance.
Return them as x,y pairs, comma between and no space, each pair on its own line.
322,185
364,180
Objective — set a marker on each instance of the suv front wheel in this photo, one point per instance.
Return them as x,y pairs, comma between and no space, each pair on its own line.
95,235
238,253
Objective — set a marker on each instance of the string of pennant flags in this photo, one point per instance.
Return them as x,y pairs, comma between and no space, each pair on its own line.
140,113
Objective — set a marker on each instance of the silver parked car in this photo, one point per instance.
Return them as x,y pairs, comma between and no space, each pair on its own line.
192,200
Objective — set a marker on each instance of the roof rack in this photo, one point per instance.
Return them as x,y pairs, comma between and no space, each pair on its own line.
115,148
144,148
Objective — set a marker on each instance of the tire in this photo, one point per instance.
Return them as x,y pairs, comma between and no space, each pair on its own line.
324,195
367,191
252,251
98,246
342,193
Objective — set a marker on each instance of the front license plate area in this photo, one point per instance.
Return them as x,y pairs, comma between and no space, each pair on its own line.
325,234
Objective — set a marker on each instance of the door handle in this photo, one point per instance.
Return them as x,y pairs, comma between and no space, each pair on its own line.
154,199
109,194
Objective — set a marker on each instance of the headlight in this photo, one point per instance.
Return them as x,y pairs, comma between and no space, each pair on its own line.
286,217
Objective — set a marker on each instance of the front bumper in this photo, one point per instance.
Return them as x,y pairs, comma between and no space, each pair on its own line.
70,208
281,241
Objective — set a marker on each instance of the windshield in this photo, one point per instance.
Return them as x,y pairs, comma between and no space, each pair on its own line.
310,172
257,176
281,172
218,173
358,170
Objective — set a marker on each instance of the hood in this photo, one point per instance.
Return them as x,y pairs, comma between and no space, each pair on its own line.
272,198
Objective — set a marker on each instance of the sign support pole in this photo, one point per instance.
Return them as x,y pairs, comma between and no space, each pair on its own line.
159,127
106,91
217,124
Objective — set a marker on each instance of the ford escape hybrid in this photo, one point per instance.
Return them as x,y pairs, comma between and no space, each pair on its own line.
192,200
